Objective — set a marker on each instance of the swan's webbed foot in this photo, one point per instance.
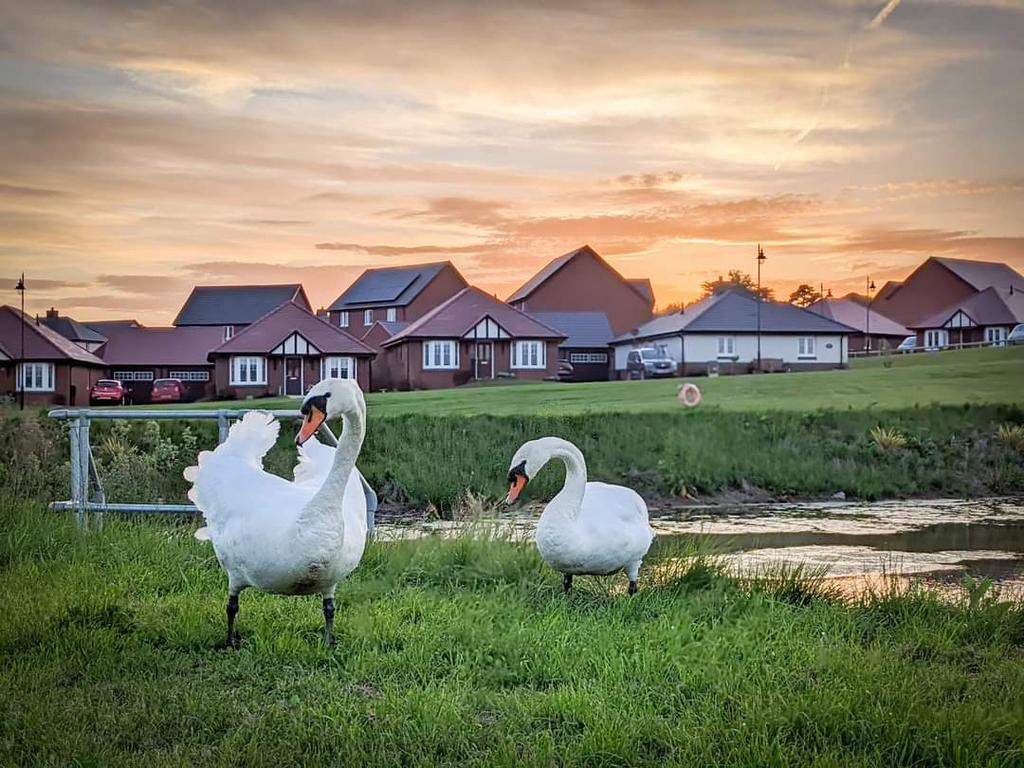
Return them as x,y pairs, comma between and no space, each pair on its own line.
567,583
329,622
632,587
232,640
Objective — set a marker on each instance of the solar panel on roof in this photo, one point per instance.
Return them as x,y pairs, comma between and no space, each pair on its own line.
382,286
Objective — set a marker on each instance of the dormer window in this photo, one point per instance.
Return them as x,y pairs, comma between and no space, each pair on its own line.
229,331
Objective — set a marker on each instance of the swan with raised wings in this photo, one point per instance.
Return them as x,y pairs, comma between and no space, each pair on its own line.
286,537
587,528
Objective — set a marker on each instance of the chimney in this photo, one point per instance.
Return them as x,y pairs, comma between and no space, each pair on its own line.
52,313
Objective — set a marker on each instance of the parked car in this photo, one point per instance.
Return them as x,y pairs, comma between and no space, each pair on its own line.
647,362
565,369
108,392
909,344
1016,335
168,391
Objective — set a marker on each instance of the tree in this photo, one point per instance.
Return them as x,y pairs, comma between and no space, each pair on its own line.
804,295
670,309
736,278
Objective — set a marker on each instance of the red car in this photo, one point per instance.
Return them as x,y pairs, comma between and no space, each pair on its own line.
168,391
107,392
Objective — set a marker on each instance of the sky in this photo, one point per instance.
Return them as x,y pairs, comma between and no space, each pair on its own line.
149,147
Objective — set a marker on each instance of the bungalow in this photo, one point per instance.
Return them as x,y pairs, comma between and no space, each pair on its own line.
582,281
873,328
720,332
136,356
394,295
584,353
233,307
285,352
471,337
986,316
81,334
54,370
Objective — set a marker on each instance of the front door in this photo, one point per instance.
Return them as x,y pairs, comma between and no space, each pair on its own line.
293,376
484,363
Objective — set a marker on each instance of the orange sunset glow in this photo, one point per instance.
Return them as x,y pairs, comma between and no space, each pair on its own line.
147,148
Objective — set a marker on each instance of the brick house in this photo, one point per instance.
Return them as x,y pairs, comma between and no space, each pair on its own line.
585,348
285,352
55,370
394,295
940,283
81,334
232,307
986,316
582,281
470,337
872,327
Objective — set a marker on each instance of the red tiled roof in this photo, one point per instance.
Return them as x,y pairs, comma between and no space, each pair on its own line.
41,343
854,314
455,317
556,264
137,345
280,323
989,307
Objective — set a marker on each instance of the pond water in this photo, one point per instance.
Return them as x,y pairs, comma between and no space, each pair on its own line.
939,541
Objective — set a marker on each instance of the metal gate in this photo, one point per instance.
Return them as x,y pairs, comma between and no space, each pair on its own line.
87,488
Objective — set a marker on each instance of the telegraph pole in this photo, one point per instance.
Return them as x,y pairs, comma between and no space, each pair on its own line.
760,258
867,314
20,369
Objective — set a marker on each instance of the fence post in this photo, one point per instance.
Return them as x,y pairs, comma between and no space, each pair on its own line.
223,427
76,470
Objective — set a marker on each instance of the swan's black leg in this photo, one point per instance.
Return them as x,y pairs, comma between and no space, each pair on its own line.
329,621
632,587
232,639
567,583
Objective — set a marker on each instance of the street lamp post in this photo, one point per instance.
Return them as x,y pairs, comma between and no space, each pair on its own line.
760,258
867,315
19,370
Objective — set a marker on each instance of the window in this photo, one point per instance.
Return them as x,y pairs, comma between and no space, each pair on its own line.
229,331
805,347
440,354
35,377
996,336
588,357
190,375
936,339
727,346
133,375
338,368
248,370
528,354
343,319
392,314
368,317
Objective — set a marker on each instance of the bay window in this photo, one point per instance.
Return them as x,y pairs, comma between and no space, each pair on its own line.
338,368
529,354
35,377
442,354
247,371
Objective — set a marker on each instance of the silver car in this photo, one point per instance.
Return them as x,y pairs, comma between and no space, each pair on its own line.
1016,335
909,344
648,363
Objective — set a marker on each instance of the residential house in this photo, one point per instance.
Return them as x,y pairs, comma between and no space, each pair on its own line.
986,316
81,334
873,329
380,368
53,371
939,283
394,295
721,332
582,281
285,352
137,356
585,348
471,337
233,307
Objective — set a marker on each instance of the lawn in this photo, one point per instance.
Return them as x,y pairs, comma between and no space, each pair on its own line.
465,652
950,378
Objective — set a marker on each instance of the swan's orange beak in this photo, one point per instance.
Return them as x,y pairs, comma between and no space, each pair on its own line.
310,424
516,485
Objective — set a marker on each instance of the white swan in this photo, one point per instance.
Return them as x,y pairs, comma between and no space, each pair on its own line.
587,528
286,537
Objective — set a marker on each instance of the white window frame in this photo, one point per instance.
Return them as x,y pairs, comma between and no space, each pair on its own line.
36,377
529,355
367,317
391,314
189,375
588,357
936,338
440,355
331,367
123,376
996,335
343,319
229,332
727,348
806,348
245,367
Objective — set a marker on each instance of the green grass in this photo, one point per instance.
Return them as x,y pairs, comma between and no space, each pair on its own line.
947,378
466,653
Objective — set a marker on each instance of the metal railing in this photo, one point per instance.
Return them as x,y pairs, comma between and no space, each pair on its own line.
87,488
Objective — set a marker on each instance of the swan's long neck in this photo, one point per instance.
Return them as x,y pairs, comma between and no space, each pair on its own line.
331,495
570,499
